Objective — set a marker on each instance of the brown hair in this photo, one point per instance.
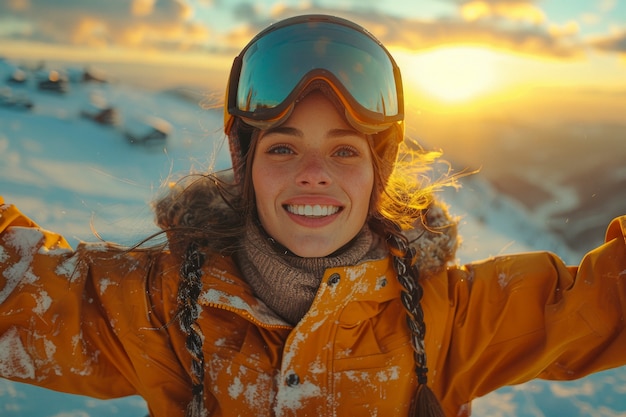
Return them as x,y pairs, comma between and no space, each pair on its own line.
208,212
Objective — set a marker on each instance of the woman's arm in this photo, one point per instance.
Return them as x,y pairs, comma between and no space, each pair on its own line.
58,326
514,318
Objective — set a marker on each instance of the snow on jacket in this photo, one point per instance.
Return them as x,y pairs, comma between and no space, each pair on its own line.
101,322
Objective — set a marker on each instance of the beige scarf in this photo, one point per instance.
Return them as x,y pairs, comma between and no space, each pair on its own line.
288,283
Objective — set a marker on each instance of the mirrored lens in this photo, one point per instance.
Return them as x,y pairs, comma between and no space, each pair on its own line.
277,65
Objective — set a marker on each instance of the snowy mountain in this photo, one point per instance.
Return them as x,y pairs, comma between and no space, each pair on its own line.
89,155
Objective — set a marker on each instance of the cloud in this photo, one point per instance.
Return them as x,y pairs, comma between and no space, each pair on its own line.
514,25
139,23
520,26
532,40
607,5
516,10
612,43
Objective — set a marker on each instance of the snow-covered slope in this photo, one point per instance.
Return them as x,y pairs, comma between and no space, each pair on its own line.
71,174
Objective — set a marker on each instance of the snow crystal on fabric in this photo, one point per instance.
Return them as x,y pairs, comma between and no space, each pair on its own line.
505,279
104,284
290,354
357,272
79,345
389,374
236,388
381,282
67,268
15,362
251,392
43,302
25,242
317,367
290,398
50,348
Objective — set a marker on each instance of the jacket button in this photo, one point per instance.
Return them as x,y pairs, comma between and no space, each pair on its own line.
333,279
292,379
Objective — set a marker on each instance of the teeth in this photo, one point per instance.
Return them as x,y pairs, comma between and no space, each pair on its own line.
312,211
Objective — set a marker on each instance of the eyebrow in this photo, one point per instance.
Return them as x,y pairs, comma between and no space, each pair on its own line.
292,131
337,133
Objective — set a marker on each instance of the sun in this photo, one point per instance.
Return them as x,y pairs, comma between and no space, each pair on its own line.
451,74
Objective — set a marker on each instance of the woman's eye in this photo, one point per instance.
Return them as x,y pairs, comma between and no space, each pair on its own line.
280,149
346,152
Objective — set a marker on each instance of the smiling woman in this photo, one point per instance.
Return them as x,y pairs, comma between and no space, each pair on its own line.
317,276
315,163
452,74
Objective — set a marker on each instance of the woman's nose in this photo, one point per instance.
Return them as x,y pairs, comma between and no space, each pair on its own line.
313,172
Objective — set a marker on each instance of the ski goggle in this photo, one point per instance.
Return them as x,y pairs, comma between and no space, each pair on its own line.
271,72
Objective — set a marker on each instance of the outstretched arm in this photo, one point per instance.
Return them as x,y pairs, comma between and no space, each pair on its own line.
54,331
513,318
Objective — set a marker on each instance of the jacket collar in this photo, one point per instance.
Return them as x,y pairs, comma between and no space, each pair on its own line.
372,281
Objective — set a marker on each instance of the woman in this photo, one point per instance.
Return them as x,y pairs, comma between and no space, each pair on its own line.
303,282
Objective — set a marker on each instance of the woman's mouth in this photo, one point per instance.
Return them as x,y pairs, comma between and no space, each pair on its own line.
313,211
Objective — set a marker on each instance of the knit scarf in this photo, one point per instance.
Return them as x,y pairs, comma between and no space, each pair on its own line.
287,283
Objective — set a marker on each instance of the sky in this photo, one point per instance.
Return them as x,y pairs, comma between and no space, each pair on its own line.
530,92
451,51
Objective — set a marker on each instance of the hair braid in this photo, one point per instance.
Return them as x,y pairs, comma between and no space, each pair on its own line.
423,403
188,312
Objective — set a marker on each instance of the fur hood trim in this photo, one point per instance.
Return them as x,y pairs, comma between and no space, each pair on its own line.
199,207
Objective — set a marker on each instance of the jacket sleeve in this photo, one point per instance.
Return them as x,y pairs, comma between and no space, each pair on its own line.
60,327
514,318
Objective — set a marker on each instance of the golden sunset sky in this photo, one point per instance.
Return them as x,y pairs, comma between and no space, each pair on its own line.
531,92
456,55
526,90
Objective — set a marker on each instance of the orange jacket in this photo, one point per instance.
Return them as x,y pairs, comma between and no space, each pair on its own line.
101,322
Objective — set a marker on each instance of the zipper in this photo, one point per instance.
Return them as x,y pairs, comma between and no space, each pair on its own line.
246,315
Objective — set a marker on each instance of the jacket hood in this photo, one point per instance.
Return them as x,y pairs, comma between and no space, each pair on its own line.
200,207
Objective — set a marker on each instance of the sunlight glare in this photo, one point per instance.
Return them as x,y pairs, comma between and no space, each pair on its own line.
453,74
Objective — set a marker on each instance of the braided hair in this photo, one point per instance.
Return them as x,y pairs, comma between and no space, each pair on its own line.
188,311
404,258
401,198
198,217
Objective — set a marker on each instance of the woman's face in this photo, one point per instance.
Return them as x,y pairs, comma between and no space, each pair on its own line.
313,178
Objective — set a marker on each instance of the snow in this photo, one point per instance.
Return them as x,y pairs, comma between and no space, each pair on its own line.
290,398
74,176
67,268
21,270
14,359
43,303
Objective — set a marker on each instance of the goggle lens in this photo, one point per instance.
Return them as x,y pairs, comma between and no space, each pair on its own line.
279,63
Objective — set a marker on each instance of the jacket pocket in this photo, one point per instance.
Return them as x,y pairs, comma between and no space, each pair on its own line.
370,328
380,384
373,360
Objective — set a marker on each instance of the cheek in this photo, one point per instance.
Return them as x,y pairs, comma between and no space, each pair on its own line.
367,196
263,183
361,185
257,185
